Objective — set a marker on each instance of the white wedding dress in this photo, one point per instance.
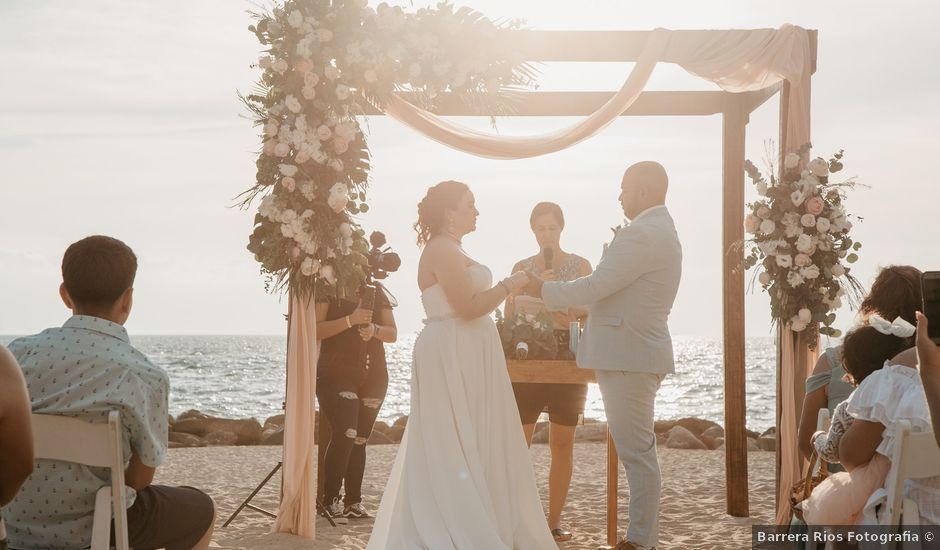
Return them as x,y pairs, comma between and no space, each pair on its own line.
462,479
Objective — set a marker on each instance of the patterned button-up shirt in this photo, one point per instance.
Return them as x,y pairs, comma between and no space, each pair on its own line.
85,369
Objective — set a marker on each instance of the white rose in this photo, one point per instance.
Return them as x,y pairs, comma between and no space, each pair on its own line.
764,278
751,223
797,325
345,229
818,167
784,260
319,156
808,220
797,198
309,266
804,243
270,128
281,150
288,170
792,231
802,260
805,315
287,230
311,79
331,72
295,19
307,214
324,132
370,76
280,66
292,104
792,160
301,157
767,227
309,92
822,225
837,270
794,278
289,215
288,183
810,272
266,208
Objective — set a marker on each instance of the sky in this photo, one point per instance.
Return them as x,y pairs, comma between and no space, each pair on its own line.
120,117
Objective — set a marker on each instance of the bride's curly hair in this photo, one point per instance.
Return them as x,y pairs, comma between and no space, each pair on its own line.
432,208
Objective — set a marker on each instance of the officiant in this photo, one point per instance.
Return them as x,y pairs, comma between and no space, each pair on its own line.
564,402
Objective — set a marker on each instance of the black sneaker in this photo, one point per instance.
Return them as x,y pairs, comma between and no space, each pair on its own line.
335,508
356,511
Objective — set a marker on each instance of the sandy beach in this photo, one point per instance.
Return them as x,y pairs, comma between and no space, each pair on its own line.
693,510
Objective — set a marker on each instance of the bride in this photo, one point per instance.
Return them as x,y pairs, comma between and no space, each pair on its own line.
462,479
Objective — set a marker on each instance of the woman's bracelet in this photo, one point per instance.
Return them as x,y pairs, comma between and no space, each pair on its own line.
505,286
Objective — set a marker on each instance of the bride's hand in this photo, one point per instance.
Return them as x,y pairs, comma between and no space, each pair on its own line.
517,281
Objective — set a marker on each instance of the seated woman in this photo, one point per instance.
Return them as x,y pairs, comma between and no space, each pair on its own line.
886,397
839,499
895,293
352,380
565,402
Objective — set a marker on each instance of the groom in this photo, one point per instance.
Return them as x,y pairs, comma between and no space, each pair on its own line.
626,340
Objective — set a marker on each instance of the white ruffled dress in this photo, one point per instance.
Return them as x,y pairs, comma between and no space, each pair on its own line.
888,396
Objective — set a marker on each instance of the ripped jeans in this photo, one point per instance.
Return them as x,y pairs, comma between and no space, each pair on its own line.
351,410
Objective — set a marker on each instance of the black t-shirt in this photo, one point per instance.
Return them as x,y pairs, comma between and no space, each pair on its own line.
345,356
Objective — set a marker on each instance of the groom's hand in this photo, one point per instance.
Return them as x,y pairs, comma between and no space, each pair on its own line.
534,287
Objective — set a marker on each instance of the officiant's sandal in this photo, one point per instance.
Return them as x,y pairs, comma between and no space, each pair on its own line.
561,535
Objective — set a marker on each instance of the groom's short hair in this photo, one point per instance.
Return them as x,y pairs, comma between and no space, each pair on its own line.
97,270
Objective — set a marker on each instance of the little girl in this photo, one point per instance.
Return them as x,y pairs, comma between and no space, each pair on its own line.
839,499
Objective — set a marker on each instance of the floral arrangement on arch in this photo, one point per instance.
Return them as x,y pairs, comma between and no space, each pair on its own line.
325,63
801,239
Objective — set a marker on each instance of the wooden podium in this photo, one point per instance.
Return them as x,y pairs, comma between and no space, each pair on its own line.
567,372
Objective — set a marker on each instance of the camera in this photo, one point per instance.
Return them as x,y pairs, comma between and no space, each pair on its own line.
381,260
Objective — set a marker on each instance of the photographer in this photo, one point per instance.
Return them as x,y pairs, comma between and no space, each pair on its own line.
352,380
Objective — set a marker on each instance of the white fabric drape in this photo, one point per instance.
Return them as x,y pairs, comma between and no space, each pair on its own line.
737,61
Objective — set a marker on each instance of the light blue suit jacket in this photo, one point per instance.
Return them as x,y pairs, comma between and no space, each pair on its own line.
629,297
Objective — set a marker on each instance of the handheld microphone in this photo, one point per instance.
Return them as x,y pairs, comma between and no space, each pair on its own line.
549,253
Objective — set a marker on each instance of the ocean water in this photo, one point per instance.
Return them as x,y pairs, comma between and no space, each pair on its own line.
243,376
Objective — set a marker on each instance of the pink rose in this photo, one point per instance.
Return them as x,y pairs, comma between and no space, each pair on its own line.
802,260
340,145
288,183
815,205
303,66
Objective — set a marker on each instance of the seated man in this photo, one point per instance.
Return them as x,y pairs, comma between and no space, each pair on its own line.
85,369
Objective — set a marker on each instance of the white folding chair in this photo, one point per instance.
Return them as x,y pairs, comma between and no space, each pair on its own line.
73,440
916,456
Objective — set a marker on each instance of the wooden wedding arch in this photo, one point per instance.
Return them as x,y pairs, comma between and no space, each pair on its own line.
735,109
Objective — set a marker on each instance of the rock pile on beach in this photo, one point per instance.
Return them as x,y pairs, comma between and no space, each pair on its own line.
197,429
